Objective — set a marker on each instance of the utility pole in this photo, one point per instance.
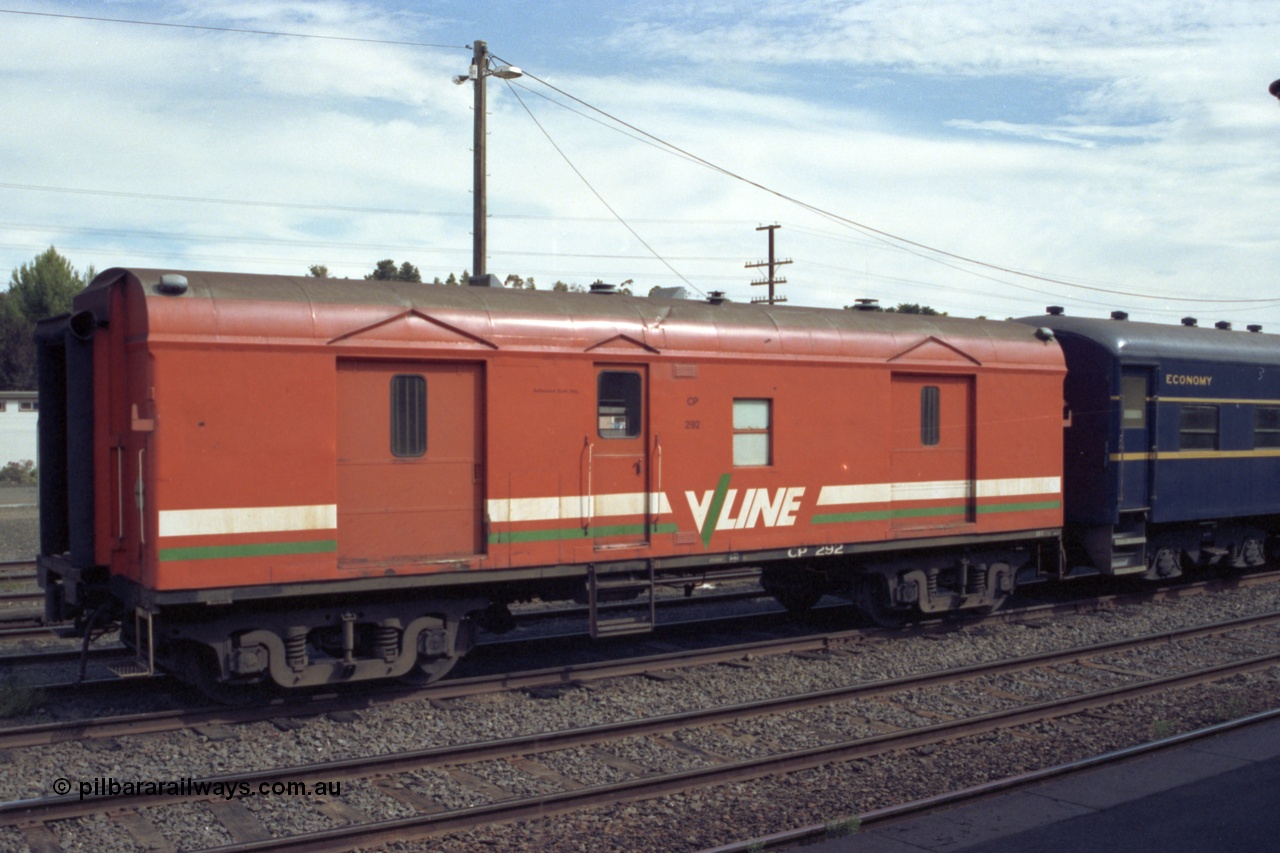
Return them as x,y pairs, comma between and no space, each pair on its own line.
479,215
772,264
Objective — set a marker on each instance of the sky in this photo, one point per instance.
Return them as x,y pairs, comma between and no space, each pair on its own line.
983,157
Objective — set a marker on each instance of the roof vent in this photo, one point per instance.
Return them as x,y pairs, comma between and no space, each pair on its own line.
1189,321
172,284
1119,315
1254,327
1224,325
601,287
1055,310
1044,333
866,305
669,293
716,297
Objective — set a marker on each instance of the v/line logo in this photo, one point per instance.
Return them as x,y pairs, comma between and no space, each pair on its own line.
757,506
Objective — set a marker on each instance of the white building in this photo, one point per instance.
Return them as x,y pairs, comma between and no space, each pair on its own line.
17,426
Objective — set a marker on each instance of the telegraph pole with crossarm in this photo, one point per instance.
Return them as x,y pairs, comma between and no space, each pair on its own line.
773,265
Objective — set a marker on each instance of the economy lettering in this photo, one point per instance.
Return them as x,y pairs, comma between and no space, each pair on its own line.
1187,379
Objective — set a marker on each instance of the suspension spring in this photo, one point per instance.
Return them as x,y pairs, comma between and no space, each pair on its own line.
386,642
978,578
295,648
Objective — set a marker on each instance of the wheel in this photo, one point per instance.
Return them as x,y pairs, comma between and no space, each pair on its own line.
1165,563
448,649
199,668
873,600
1251,552
428,670
993,606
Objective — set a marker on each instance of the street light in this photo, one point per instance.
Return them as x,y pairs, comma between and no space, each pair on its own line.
479,71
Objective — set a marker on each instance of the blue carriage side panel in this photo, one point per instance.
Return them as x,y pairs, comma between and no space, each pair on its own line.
1218,454
1173,444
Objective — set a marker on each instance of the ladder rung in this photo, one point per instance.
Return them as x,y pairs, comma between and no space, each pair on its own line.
618,627
130,669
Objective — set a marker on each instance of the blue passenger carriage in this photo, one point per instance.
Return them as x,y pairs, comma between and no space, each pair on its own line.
1172,444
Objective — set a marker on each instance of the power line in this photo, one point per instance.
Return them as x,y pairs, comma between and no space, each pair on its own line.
911,246
318,244
285,205
897,241
210,28
597,194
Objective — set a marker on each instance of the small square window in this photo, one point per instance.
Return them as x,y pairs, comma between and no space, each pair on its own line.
752,427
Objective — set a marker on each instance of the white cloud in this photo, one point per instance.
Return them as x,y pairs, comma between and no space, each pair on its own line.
1130,145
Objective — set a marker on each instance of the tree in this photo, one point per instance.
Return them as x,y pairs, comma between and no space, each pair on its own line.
915,308
386,270
42,288
47,285
515,282
318,271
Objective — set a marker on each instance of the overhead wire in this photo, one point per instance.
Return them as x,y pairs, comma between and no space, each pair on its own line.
925,251
320,244
334,208
211,28
597,194
932,253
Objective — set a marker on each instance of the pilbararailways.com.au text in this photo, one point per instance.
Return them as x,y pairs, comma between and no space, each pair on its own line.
107,786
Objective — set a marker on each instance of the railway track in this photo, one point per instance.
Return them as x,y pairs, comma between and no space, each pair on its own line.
979,698
788,838
500,650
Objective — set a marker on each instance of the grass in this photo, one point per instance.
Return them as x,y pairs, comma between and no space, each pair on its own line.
841,828
17,699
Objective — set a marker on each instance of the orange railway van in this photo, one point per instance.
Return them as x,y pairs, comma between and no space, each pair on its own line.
313,480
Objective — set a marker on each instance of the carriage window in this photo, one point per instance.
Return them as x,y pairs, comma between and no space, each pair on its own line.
618,404
1133,401
1266,426
408,415
1198,428
930,416
752,424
